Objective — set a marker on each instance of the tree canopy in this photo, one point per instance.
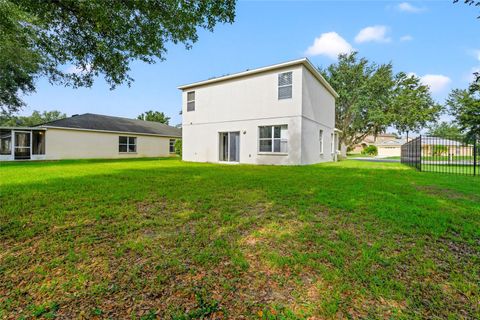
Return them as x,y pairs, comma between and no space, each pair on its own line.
412,105
445,130
357,81
372,98
34,119
474,3
41,38
464,106
154,116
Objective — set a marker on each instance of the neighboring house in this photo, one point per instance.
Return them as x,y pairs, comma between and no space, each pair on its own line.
438,146
88,136
280,114
388,144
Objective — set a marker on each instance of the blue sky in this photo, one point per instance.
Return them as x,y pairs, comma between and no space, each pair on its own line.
436,40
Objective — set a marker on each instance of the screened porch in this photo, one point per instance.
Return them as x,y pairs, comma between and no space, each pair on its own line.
22,144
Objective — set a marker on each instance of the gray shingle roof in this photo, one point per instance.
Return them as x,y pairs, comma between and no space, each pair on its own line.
100,122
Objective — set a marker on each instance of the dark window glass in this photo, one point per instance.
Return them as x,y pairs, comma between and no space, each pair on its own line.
265,132
191,101
276,145
276,132
285,92
265,145
285,85
127,144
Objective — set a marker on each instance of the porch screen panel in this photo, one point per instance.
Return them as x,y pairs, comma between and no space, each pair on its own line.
38,142
5,142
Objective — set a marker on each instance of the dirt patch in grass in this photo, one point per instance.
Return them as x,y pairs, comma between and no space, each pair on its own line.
447,193
461,250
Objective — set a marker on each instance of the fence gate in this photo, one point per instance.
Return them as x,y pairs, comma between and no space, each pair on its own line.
454,155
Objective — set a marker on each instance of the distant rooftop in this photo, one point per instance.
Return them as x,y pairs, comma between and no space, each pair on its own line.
98,122
303,61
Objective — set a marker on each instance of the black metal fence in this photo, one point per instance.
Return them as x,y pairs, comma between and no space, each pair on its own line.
443,154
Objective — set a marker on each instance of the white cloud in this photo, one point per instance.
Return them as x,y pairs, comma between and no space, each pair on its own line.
373,34
437,82
406,37
407,7
330,44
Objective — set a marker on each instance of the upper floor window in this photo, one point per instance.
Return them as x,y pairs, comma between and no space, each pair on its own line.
320,137
191,101
171,146
127,144
273,139
285,85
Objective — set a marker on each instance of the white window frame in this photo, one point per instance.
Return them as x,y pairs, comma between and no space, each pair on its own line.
273,139
128,144
191,101
320,138
170,145
285,85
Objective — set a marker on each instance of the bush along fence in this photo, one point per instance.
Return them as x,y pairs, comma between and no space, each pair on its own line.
443,154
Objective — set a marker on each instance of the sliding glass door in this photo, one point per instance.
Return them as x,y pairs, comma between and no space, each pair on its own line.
229,143
22,145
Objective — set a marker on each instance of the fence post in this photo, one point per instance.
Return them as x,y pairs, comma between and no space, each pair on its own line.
474,155
420,152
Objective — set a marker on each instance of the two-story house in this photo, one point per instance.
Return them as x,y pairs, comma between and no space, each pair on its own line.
280,114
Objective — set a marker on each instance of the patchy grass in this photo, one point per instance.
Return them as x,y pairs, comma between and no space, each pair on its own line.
158,238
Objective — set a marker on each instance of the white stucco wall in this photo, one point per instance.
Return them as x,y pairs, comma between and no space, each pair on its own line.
203,141
318,113
246,98
77,144
311,143
243,104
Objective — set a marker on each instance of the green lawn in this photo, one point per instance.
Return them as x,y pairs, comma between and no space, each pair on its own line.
447,158
450,169
160,238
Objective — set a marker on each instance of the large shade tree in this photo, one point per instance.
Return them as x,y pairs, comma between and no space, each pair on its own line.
412,105
372,99
464,106
364,90
96,37
445,130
